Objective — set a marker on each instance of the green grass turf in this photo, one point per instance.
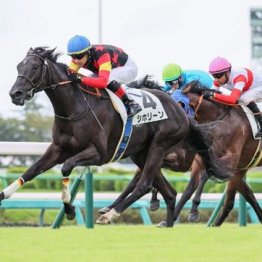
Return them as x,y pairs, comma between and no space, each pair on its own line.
132,243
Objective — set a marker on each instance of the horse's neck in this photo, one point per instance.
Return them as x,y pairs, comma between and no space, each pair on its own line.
209,111
66,99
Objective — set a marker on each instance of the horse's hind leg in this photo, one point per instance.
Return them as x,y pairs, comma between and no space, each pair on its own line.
124,194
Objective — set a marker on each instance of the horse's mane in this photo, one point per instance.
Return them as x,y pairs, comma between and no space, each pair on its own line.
48,53
145,82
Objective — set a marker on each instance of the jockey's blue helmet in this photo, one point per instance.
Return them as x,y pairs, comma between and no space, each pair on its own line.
78,44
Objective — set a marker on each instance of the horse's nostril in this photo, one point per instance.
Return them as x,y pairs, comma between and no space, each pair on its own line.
17,94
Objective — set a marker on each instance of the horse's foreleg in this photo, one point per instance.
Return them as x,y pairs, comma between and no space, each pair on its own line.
189,190
248,194
154,202
228,204
50,158
194,214
124,194
86,157
169,194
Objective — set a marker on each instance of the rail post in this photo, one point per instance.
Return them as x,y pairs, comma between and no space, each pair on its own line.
89,203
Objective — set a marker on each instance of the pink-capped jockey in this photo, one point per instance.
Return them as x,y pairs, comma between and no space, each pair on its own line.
245,86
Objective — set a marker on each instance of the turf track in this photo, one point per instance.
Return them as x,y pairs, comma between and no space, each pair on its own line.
132,243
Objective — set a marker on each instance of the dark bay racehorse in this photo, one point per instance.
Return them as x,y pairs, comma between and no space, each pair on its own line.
234,144
87,129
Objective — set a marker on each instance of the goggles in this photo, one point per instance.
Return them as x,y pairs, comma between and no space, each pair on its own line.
218,75
78,56
172,83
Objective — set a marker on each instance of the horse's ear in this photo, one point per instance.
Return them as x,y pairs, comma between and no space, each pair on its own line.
48,52
30,51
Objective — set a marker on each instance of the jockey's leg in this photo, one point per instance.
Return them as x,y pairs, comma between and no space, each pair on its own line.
254,108
132,107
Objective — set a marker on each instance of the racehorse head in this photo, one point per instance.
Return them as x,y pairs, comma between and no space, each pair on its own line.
196,87
32,72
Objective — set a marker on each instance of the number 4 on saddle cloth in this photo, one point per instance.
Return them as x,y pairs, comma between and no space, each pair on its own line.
152,110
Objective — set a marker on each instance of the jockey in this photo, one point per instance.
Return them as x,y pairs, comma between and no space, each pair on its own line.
244,85
176,79
111,65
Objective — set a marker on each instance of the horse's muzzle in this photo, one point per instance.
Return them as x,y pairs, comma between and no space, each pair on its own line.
18,98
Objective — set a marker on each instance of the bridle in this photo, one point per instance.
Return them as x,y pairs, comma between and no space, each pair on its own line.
35,88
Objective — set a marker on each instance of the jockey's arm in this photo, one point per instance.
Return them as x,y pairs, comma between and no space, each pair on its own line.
104,69
232,98
228,99
98,82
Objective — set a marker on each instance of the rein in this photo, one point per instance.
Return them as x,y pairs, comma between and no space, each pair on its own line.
199,102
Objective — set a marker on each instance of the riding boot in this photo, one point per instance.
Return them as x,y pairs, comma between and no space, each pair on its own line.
254,108
132,107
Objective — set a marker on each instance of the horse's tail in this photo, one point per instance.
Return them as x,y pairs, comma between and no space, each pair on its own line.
200,137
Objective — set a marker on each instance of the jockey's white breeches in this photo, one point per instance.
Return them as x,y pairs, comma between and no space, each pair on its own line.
124,74
253,94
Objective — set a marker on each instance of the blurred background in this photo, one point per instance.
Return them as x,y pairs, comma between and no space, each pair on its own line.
152,32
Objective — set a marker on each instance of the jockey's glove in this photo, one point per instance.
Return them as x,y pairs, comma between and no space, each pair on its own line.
208,95
74,78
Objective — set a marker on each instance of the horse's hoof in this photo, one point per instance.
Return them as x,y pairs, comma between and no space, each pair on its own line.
162,224
193,217
104,210
103,220
72,214
154,205
2,197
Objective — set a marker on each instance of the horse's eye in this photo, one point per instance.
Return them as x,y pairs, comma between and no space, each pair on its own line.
35,66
